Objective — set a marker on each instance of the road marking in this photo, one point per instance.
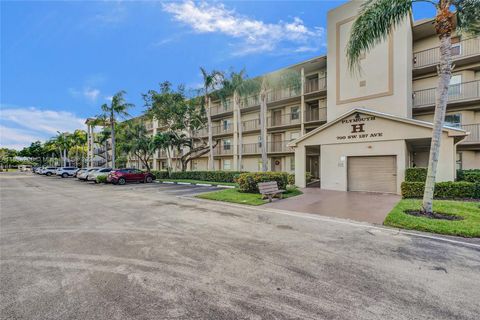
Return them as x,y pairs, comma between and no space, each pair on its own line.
313,216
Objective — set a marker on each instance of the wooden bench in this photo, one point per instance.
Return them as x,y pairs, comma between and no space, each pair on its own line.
270,190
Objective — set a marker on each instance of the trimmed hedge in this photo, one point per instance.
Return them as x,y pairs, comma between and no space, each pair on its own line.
471,175
291,179
443,190
415,174
214,176
248,182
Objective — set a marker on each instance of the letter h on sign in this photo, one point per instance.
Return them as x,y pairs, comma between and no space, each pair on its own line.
358,127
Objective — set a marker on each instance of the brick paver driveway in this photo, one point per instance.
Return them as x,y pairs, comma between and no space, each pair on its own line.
71,250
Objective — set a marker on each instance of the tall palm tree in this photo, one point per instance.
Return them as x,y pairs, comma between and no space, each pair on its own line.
378,18
63,142
238,86
280,80
211,81
118,108
79,139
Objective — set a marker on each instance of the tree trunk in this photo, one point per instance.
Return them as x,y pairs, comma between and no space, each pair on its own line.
263,130
236,107
65,157
445,73
112,126
211,163
106,154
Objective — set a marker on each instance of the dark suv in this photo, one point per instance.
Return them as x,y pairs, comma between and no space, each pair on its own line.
122,176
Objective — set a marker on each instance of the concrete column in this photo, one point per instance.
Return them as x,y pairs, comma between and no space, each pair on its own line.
300,167
235,145
302,102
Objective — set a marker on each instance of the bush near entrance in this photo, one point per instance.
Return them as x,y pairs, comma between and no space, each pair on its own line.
213,176
248,182
102,179
443,190
472,175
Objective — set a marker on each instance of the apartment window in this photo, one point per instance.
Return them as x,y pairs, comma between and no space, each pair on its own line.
292,163
295,113
455,87
456,46
453,120
226,144
458,161
294,135
194,165
227,164
163,165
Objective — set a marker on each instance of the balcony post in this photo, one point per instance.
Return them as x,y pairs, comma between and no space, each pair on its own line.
235,144
302,102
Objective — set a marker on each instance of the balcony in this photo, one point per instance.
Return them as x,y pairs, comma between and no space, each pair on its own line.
462,50
283,120
315,85
202,132
278,147
250,101
149,126
222,129
282,94
250,125
316,114
221,107
251,148
465,91
223,150
474,136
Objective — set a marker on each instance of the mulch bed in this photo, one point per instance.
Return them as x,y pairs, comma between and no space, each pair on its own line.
433,215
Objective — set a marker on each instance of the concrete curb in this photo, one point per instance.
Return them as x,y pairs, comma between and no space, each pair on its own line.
313,216
197,184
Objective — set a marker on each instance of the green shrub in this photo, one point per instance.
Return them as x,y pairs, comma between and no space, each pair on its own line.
443,190
415,174
214,176
308,177
291,179
248,182
102,178
471,175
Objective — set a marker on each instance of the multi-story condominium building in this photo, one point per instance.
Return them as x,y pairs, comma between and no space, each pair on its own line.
358,131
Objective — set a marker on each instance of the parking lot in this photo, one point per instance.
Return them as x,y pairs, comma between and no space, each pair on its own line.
76,250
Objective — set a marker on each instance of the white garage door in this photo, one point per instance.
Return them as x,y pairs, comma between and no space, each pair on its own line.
372,174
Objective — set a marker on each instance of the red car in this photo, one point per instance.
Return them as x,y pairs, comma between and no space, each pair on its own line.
122,176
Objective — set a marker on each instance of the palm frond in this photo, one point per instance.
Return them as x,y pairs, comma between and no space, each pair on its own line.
468,16
375,22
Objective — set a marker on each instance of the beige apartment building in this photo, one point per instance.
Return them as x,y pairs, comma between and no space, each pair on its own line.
357,132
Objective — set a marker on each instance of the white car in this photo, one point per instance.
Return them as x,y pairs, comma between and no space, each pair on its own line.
48,171
92,176
84,174
65,172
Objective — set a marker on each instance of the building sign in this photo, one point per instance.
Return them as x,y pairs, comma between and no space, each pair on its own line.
357,127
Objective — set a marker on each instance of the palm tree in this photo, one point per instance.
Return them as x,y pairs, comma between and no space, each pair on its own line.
278,80
211,80
102,139
376,21
118,108
63,142
79,139
240,88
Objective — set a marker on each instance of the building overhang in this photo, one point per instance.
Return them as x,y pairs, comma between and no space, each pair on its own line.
457,134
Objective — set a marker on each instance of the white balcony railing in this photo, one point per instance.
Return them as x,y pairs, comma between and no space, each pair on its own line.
456,93
283,120
314,85
462,49
474,130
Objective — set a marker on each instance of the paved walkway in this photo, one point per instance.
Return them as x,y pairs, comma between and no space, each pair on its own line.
359,206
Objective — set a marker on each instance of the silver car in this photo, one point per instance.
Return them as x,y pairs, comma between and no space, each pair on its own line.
65,172
84,174
92,176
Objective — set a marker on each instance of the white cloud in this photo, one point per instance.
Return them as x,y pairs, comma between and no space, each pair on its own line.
90,94
21,126
256,35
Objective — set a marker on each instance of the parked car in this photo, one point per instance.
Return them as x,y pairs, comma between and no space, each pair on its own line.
92,176
48,171
66,171
83,175
122,176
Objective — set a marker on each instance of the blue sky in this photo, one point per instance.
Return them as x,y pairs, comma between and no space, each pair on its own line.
60,60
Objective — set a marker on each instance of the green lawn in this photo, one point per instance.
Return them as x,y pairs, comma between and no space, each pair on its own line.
253,199
199,181
468,227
